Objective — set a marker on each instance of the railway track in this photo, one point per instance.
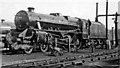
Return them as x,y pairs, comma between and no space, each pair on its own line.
61,61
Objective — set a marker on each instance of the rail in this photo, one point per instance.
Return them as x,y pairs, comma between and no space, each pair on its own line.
68,60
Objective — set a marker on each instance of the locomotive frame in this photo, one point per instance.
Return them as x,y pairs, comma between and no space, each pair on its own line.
54,32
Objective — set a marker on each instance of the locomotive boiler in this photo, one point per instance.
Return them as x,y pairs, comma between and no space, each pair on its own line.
56,30
54,20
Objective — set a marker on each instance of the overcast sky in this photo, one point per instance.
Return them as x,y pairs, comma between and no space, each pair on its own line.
85,9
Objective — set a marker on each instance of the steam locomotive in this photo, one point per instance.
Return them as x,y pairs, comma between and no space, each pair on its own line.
53,31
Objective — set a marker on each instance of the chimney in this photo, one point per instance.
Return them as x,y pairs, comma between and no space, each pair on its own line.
31,9
96,18
2,20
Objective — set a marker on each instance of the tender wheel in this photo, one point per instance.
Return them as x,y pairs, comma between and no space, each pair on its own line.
28,50
44,48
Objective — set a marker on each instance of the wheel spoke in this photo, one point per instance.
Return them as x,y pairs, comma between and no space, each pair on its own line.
44,48
28,50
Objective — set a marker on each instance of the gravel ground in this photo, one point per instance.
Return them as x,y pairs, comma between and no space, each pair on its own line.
38,55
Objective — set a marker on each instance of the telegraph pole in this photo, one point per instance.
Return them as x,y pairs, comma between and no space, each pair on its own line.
116,15
116,36
112,35
96,18
107,19
106,15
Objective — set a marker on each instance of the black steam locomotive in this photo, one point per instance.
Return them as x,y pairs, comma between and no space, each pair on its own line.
53,31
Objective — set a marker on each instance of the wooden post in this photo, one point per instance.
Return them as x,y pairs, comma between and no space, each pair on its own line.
107,19
116,37
112,35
